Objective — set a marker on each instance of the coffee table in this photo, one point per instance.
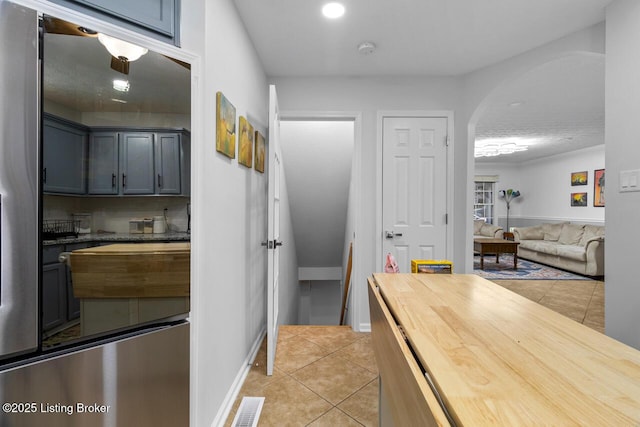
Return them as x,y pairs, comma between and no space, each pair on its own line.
495,246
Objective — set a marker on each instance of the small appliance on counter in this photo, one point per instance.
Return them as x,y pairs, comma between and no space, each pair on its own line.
141,226
159,225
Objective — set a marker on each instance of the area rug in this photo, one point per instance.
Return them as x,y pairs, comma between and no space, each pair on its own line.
527,270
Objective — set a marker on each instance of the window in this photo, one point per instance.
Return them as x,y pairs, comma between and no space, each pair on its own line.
484,199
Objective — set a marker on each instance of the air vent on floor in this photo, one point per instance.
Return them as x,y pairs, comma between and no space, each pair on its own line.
248,412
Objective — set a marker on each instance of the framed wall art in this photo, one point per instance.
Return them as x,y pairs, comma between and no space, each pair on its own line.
225,126
260,148
578,199
245,150
579,178
598,188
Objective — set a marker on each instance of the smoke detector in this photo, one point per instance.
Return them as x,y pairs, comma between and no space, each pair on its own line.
366,48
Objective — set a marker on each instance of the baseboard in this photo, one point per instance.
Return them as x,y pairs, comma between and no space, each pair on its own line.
233,392
365,327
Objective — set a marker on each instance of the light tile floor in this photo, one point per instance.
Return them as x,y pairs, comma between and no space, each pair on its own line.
327,375
323,376
579,300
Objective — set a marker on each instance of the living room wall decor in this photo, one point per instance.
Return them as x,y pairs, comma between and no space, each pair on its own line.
245,150
578,199
598,188
225,126
579,178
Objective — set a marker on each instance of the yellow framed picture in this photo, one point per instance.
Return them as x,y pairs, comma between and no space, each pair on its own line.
245,150
225,126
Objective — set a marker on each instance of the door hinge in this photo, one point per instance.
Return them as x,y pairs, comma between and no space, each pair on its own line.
446,218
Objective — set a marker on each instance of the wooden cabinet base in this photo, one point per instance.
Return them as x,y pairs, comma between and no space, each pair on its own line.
107,314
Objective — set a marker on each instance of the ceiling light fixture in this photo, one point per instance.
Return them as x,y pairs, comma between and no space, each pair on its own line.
333,10
499,146
366,48
121,49
121,85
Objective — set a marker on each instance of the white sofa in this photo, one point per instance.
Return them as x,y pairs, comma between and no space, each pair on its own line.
574,247
483,229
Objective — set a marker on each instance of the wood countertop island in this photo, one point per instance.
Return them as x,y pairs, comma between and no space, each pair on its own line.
128,270
493,358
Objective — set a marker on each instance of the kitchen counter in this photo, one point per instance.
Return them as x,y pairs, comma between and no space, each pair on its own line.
458,349
132,270
120,237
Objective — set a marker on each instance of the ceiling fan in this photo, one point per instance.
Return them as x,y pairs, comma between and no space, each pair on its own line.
122,53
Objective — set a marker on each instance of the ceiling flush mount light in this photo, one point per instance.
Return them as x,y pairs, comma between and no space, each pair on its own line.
333,10
366,48
499,146
121,85
120,49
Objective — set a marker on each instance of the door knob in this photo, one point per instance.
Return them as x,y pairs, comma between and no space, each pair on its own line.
392,234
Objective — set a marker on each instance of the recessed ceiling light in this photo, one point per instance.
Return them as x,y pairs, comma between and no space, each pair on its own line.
333,10
516,104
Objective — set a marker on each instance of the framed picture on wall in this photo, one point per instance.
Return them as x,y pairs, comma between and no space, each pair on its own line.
598,188
245,151
579,178
578,199
225,126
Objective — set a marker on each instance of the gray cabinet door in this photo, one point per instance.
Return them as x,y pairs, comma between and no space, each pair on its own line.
155,18
137,163
64,158
103,163
54,295
168,163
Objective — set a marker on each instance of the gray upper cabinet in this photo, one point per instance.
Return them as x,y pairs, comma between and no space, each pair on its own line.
167,154
137,163
64,157
159,19
103,163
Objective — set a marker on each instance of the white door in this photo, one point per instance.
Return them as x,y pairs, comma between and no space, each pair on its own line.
414,189
273,228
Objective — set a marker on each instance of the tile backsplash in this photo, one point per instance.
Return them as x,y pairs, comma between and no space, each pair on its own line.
113,213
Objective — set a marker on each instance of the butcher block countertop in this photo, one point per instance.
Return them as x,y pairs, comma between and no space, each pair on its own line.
496,358
132,270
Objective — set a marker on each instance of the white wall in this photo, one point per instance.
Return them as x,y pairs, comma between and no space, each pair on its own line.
546,188
622,293
368,96
229,215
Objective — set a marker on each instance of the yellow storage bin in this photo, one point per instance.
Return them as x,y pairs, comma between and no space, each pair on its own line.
431,266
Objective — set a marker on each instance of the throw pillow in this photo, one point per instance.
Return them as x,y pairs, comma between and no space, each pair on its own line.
552,231
530,233
571,234
477,225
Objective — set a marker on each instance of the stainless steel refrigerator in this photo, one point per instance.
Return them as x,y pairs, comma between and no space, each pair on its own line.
134,378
